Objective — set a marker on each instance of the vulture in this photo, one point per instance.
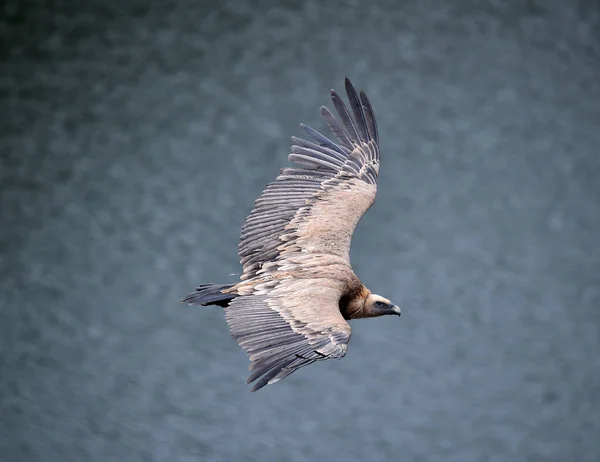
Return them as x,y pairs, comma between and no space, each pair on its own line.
297,290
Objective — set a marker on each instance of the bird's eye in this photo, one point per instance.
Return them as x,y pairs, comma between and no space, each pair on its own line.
379,304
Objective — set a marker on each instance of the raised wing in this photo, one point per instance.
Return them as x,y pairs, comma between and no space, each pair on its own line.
286,324
315,208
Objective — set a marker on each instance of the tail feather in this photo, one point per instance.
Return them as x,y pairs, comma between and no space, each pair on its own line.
210,294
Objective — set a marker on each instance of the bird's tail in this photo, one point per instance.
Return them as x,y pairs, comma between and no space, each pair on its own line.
210,294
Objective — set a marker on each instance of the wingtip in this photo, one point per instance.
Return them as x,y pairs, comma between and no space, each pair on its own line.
257,386
348,85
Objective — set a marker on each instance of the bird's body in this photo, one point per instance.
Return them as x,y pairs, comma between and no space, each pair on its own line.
298,289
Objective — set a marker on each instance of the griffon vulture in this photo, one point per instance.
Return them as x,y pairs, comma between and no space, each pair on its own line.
297,289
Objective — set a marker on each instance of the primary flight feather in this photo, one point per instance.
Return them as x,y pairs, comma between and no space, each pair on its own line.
297,289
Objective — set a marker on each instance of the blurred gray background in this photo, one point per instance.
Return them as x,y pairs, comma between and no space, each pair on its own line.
136,136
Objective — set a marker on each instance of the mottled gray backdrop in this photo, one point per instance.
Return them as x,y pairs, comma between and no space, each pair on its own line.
135,136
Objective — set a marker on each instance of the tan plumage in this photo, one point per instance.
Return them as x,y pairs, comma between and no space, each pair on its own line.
297,288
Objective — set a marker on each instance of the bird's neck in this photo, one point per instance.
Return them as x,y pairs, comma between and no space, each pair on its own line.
353,305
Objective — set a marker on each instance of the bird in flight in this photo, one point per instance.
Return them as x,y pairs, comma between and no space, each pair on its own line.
298,290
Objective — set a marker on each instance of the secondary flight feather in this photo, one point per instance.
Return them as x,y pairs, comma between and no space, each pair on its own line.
298,290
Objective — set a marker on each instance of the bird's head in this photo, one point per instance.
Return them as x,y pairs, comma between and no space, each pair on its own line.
376,305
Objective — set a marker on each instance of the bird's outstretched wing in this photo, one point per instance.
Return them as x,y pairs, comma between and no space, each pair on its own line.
315,208
286,324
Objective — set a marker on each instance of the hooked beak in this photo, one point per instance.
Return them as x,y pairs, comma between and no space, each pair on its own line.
396,310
